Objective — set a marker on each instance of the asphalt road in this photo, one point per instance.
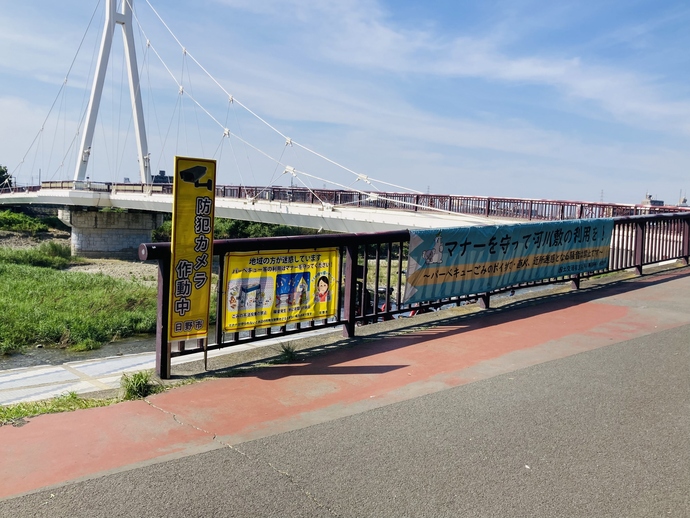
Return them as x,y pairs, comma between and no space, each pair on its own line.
603,433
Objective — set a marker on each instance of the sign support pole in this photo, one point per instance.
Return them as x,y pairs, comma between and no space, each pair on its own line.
163,351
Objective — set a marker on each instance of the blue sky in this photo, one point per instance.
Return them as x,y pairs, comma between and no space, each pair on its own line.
560,100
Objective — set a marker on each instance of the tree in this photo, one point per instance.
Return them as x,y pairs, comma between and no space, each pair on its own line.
5,178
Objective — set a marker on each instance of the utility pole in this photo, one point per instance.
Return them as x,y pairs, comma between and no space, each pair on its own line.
124,19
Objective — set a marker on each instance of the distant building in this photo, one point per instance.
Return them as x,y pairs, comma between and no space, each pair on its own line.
161,178
649,200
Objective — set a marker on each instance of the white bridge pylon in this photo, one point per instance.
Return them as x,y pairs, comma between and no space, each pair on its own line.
124,19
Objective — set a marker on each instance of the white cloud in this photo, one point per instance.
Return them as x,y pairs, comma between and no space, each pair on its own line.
359,33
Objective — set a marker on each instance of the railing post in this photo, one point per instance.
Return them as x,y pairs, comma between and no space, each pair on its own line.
219,303
639,246
350,289
685,240
163,352
487,207
575,282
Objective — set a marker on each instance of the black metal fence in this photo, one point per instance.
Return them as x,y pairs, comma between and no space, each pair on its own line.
372,276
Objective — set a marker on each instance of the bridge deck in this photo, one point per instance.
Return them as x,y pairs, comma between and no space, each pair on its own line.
333,210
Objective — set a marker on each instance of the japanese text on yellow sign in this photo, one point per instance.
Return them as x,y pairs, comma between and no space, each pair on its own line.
275,288
192,248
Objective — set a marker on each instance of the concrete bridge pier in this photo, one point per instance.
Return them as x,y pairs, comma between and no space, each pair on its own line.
110,234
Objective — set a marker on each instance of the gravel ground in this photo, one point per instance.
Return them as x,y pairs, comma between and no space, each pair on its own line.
21,240
130,270
146,273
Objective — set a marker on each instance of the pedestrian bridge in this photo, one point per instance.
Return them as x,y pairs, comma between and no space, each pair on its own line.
109,219
330,210
334,211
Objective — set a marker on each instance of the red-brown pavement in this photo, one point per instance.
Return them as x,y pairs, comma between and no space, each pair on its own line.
54,449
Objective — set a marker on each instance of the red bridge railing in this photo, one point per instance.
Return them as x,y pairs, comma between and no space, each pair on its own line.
519,208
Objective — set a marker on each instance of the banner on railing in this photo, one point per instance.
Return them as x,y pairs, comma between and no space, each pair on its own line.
275,288
452,262
192,248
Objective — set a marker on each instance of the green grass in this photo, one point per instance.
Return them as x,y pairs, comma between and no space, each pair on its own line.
46,255
70,309
288,352
138,385
66,403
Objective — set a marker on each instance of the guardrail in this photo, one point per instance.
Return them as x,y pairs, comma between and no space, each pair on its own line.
13,189
526,209
372,273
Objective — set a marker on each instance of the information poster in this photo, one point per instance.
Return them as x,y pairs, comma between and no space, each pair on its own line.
471,260
192,248
276,288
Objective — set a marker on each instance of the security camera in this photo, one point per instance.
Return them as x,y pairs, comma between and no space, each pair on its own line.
193,174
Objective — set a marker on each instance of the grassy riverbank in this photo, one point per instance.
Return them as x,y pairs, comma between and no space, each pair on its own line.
46,306
43,306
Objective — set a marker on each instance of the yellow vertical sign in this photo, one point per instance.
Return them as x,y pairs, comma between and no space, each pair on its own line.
192,248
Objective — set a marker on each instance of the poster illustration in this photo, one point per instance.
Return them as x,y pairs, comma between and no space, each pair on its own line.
275,288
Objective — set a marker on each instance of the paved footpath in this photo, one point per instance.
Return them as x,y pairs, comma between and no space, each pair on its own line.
85,377
574,405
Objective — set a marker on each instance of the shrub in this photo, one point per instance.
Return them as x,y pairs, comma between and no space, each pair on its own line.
18,222
224,228
162,234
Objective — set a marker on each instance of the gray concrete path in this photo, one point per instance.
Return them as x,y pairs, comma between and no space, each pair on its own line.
87,377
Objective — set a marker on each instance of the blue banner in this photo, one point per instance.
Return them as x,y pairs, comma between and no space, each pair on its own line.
451,262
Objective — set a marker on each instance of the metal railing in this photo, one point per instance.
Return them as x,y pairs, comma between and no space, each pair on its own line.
526,209
372,275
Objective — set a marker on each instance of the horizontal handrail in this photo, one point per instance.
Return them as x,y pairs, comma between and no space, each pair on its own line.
373,269
488,206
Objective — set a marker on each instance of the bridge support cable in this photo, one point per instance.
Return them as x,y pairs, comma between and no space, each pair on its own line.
369,195
358,176
59,95
190,87
226,134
